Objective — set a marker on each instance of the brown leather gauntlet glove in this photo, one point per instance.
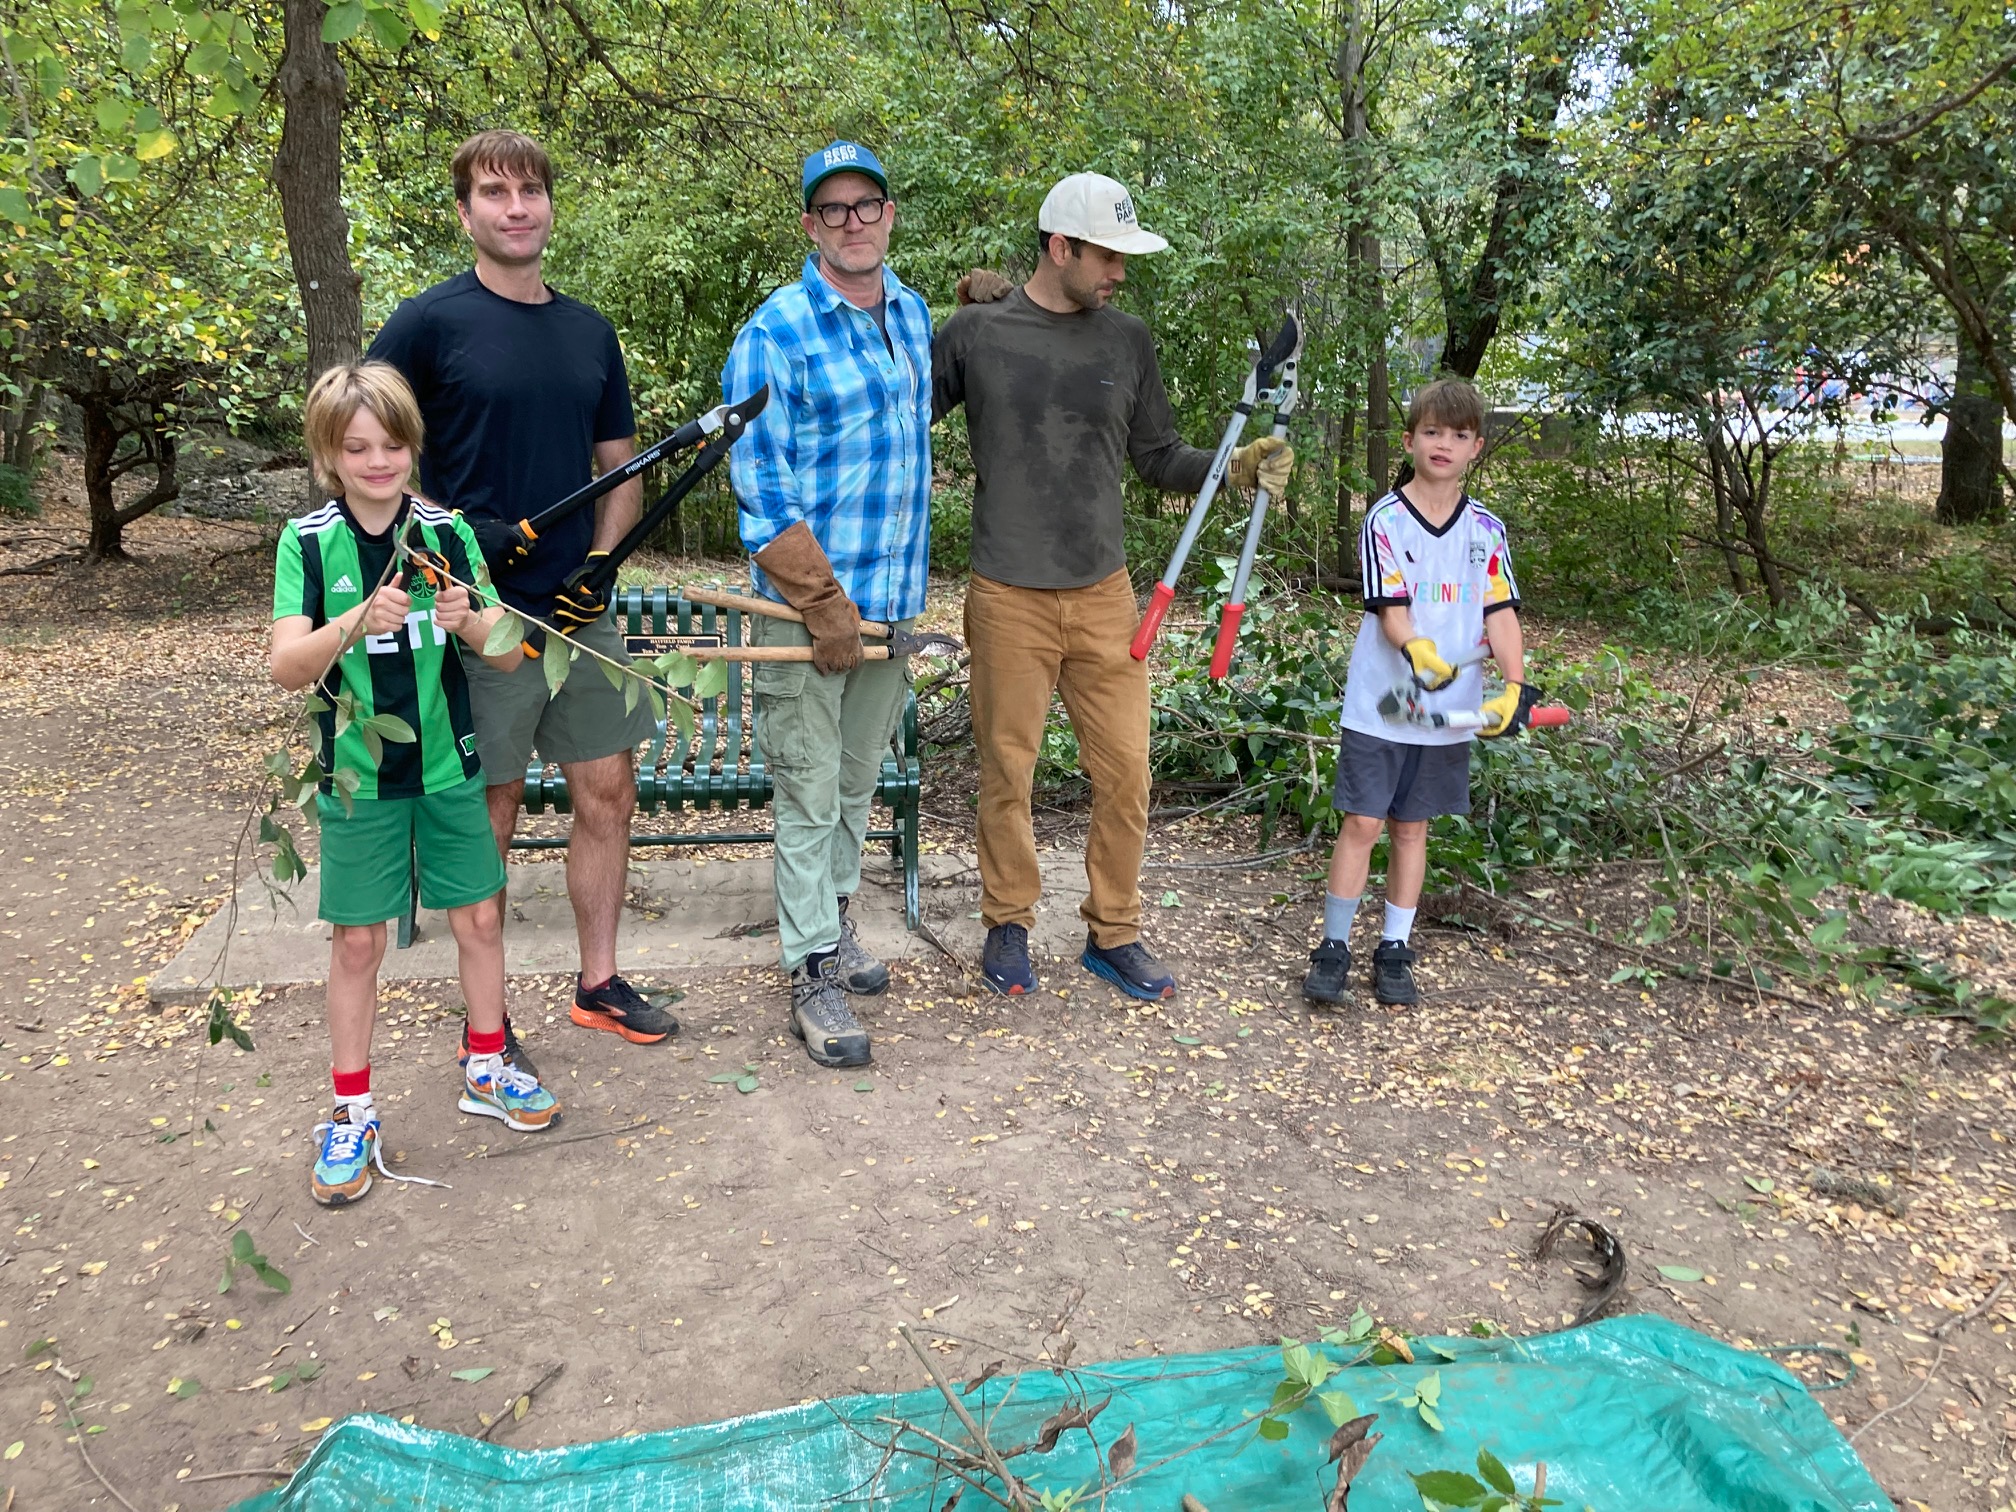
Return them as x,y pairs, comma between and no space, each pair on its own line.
983,286
798,569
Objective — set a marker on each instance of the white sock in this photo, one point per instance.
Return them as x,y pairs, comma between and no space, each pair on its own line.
1399,924
481,1066
362,1110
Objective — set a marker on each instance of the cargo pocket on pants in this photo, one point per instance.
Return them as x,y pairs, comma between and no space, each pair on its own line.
779,692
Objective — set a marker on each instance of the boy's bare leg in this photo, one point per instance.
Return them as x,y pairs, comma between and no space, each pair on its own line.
354,953
479,945
1351,860
1406,861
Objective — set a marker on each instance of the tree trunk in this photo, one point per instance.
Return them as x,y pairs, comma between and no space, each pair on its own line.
1970,472
1378,397
21,439
103,467
1739,496
1751,501
1725,508
101,444
308,171
1346,447
1526,188
1350,71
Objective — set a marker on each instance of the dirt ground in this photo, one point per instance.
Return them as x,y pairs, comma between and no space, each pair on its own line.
1220,1170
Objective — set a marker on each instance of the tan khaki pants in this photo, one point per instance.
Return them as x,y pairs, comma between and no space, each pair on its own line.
1025,643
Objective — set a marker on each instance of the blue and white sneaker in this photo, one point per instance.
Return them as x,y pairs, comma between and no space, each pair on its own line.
494,1088
342,1171
1130,968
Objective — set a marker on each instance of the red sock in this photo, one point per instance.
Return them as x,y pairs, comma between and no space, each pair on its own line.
352,1083
486,1044
587,986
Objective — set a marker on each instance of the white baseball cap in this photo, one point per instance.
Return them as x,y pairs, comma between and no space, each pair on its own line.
1097,209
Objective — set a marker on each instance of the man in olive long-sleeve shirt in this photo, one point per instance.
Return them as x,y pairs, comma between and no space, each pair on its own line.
1059,388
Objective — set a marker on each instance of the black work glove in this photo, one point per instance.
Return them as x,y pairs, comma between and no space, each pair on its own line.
505,545
580,603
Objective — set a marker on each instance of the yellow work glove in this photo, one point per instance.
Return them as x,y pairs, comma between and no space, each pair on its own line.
1267,463
1430,671
1511,711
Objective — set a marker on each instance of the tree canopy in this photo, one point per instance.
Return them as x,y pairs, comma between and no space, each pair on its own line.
1599,205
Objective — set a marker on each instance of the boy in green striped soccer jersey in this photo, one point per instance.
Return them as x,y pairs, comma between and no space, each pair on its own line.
371,627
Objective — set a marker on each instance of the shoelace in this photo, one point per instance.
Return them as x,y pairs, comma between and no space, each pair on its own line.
348,1136
828,1011
344,1138
511,1079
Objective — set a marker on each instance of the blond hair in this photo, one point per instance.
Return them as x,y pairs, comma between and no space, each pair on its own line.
509,153
333,401
1453,402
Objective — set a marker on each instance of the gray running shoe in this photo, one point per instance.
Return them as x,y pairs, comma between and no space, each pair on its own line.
820,1015
860,973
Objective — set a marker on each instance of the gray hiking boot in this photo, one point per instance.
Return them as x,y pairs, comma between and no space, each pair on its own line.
860,973
820,1015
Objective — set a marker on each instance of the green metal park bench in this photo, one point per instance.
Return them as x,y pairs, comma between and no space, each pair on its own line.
721,766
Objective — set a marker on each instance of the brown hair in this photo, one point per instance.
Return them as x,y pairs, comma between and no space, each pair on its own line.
506,152
1453,402
335,398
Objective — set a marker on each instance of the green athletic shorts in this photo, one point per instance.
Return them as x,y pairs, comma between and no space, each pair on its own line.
585,721
368,853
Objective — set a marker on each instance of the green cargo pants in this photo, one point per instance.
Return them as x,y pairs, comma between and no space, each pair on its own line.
824,740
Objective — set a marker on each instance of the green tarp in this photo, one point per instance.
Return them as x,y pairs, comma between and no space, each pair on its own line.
1630,1415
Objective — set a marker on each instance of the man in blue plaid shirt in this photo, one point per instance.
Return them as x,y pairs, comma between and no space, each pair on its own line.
833,484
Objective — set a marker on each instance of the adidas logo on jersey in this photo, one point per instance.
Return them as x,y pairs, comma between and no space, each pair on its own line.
344,585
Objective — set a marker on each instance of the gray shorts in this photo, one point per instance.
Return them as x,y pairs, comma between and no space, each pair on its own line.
1389,779
585,721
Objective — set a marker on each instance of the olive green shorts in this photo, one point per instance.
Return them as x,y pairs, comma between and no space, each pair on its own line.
585,721
368,853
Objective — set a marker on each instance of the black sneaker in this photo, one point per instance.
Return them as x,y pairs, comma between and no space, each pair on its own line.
1393,974
1131,968
1329,972
1005,961
621,1009
820,1015
514,1050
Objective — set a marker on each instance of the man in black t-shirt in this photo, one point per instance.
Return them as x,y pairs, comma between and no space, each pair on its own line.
522,390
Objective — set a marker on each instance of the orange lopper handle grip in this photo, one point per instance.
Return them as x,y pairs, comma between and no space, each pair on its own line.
1151,622
1228,638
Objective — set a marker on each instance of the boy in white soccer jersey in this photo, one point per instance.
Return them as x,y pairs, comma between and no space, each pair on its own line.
1438,582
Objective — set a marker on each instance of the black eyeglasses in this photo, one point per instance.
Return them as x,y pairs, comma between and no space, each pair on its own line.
834,214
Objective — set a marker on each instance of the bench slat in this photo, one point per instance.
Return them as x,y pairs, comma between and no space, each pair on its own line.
720,767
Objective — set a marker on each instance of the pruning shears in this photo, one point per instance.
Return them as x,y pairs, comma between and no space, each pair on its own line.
1405,703
1283,349
422,562
519,539
596,577
1283,396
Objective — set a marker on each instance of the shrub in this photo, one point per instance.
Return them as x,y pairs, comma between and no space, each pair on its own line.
17,492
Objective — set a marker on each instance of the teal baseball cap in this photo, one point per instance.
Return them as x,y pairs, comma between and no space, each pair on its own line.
842,157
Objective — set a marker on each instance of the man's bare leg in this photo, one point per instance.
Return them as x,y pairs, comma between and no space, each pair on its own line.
604,796
504,799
